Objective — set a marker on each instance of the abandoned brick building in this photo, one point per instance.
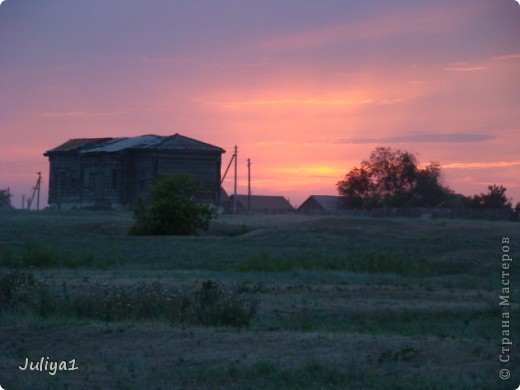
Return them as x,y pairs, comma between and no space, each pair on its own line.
116,171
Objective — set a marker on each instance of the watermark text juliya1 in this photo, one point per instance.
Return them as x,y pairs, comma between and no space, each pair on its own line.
49,366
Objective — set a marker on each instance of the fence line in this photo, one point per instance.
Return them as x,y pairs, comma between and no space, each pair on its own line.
426,212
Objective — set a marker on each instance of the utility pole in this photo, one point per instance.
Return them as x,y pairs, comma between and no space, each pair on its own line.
249,184
233,158
235,155
36,190
23,201
38,184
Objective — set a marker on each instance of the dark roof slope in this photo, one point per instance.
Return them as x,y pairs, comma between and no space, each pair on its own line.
123,143
77,143
263,202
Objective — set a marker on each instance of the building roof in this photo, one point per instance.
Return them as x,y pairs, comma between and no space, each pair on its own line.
178,141
77,143
149,141
328,203
262,202
118,144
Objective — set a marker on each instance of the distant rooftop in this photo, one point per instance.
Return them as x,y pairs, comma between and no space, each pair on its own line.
149,141
263,202
328,203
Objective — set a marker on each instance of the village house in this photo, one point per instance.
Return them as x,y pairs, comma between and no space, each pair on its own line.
265,204
114,172
321,205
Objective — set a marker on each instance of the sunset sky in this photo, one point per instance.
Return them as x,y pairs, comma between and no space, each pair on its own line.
306,89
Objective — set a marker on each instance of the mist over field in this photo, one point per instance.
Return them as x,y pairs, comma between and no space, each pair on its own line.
280,301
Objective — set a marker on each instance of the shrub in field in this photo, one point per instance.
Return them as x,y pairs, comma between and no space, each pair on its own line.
405,354
387,262
210,305
13,282
6,257
38,256
174,210
213,306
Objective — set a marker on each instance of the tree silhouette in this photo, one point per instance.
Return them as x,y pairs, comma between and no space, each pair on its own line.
495,198
173,211
5,198
392,178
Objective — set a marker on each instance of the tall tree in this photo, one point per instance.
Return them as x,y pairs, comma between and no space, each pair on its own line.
494,199
429,190
355,188
392,178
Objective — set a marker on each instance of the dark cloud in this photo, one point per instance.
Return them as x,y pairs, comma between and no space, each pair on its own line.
416,138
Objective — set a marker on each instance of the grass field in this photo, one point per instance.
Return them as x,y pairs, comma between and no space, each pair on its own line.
257,302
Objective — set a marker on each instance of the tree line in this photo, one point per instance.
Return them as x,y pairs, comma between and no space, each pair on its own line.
394,178
5,198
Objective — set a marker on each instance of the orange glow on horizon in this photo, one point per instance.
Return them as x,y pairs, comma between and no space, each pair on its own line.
306,94
481,165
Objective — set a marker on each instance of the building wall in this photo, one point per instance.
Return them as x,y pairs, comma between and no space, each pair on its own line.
100,179
204,167
64,179
118,179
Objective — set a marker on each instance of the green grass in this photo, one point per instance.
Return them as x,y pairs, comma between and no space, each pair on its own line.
359,262
315,374
38,255
478,324
209,305
99,240
399,287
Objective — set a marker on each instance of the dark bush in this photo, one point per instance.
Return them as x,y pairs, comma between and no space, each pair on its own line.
210,305
173,211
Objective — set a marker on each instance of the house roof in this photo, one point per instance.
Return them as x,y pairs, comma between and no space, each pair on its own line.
263,202
149,141
326,202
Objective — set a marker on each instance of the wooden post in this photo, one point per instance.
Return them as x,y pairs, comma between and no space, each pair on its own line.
249,184
235,155
38,185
